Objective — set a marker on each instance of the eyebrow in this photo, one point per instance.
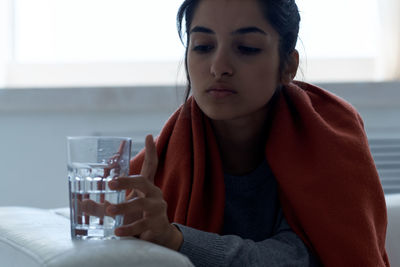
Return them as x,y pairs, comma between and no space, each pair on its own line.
240,31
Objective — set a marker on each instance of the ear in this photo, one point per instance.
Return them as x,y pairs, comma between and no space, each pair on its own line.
290,69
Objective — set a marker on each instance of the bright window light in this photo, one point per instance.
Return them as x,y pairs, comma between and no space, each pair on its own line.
96,30
338,28
135,42
137,30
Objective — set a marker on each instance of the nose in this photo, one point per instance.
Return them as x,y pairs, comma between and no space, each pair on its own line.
221,64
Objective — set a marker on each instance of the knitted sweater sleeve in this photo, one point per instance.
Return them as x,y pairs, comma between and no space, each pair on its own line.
284,248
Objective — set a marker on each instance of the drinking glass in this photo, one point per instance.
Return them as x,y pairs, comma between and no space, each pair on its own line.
93,161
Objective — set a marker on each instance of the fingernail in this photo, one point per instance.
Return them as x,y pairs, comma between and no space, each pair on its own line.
113,184
118,231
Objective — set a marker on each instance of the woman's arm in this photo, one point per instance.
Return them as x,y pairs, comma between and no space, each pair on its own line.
145,216
284,248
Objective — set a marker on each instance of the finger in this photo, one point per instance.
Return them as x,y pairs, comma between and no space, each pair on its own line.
147,206
136,182
133,229
93,208
132,206
114,185
132,217
150,163
123,182
134,194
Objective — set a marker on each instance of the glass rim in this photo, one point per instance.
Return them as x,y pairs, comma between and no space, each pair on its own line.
82,137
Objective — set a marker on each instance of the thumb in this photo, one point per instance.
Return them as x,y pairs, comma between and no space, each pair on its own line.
150,163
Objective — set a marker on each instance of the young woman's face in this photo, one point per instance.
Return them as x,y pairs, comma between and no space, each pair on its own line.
233,59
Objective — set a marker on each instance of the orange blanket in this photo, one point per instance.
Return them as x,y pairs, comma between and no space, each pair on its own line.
317,149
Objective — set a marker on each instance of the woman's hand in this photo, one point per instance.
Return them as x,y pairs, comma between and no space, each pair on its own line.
145,211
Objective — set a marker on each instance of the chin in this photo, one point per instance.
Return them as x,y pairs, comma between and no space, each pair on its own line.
222,115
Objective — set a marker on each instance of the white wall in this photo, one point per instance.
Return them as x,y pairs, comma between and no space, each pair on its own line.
34,124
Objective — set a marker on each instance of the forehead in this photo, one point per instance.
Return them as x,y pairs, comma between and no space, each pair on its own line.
228,15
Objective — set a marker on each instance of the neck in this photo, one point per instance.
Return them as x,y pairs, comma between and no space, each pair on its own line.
242,142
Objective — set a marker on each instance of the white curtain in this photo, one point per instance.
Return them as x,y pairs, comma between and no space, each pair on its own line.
389,52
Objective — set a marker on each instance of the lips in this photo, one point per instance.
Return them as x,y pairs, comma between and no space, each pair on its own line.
220,91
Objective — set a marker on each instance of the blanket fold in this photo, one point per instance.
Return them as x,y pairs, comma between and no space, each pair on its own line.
318,151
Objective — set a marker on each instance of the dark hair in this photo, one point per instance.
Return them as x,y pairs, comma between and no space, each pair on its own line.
283,15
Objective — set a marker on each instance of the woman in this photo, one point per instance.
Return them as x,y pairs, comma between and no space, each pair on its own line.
255,169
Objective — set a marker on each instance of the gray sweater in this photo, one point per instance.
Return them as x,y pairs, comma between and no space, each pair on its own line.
255,232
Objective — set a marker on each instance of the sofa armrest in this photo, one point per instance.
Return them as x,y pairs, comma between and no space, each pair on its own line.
39,237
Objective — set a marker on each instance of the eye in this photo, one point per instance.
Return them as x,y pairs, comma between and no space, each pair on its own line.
202,48
247,50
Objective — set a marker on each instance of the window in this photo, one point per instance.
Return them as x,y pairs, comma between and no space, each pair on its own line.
339,39
68,31
93,43
134,42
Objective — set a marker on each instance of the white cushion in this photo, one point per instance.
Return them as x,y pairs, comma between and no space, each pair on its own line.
38,237
393,230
